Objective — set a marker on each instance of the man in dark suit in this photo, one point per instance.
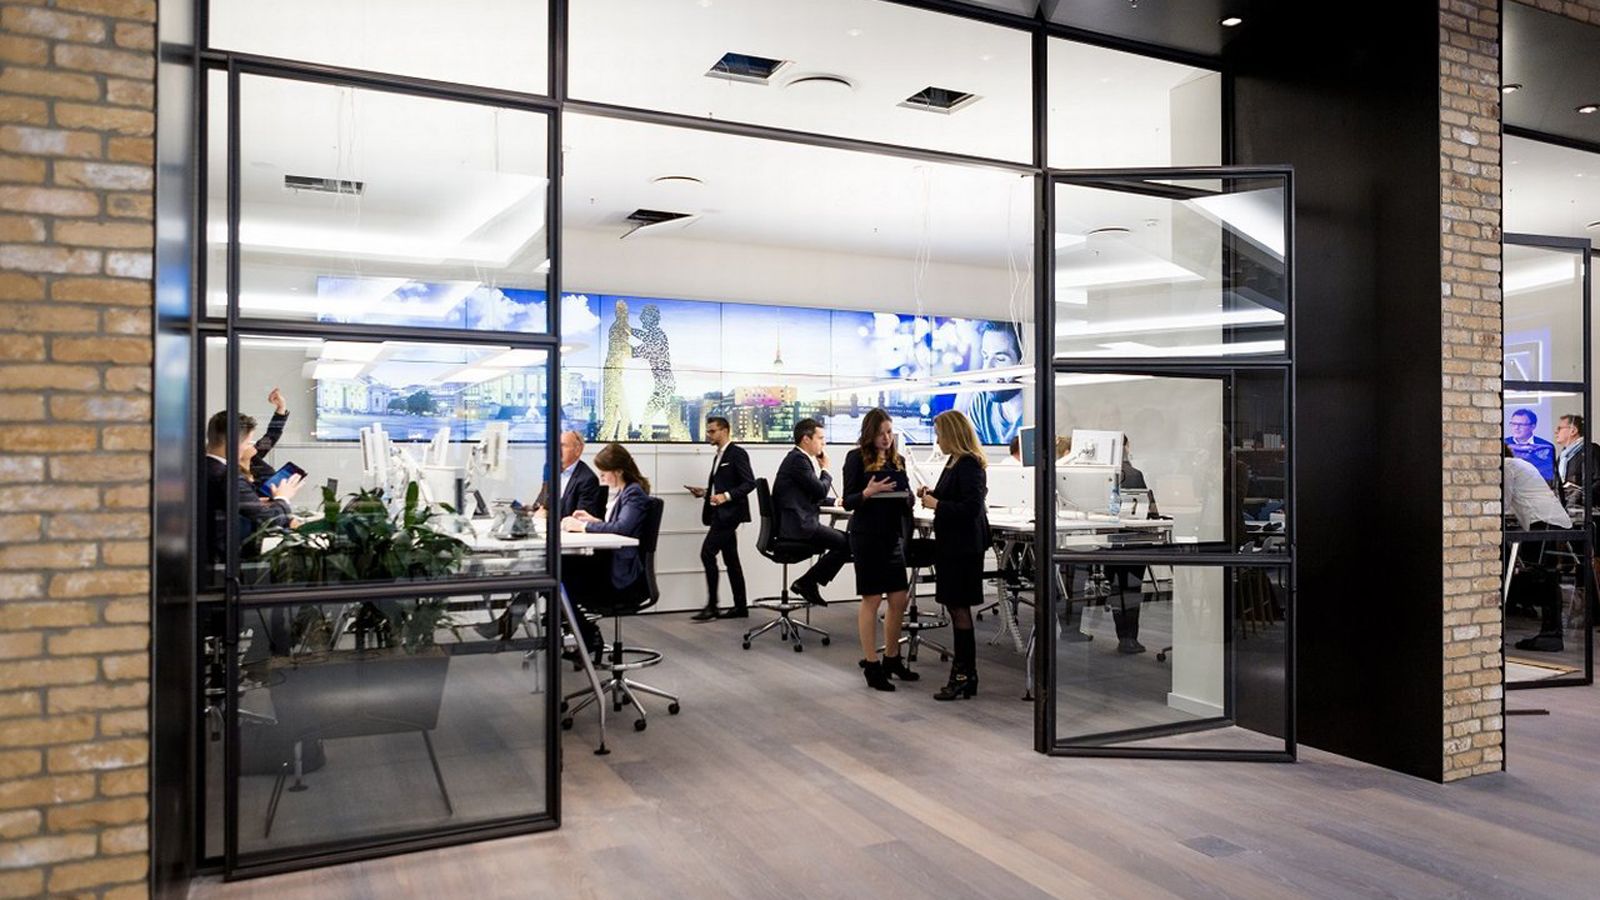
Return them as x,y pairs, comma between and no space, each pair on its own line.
724,506
1575,465
260,469
254,511
579,488
802,485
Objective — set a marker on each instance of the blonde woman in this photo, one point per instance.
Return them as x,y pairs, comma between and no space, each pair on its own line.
961,539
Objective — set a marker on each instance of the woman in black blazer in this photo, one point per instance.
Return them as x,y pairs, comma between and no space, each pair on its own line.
878,530
609,577
961,538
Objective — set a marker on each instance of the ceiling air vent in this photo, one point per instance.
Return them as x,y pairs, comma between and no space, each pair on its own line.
645,218
323,185
744,67
938,99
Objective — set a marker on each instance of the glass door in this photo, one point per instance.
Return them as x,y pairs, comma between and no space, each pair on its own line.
1548,586
1166,454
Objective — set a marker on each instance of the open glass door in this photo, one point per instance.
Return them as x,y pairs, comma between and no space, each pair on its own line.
1549,587
1166,453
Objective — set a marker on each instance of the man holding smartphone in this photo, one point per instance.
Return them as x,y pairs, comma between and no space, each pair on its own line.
725,505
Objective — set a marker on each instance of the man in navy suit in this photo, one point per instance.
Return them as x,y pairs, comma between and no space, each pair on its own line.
802,485
724,506
579,488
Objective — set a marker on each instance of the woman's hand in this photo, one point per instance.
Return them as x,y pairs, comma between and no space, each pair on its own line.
929,501
581,515
573,523
877,486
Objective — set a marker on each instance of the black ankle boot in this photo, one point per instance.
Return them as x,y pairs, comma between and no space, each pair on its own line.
894,665
1131,617
877,678
963,685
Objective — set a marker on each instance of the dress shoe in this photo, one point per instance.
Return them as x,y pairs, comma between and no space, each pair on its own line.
738,612
963,685
808,591
705,615
1544,643
894,665
877,678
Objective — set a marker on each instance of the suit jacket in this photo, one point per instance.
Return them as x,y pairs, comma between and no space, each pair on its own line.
584,492
1134,479
796,494
260,469
961,520
733,477
627,518
254,512
1583,475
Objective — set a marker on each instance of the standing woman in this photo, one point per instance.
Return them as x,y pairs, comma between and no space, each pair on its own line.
878,496
961,539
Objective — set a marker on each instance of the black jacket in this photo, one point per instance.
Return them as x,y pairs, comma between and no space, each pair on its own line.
627,518
260,469
733,477
879,517
254,512
796,494
961,520
583,492
1583,475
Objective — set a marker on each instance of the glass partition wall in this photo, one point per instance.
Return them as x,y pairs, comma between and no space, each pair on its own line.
382,220
1170,629
1548,589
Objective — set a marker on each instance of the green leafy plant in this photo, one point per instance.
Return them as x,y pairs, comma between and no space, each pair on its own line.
359,540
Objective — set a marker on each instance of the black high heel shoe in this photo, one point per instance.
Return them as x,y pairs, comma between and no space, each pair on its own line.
896,666
877,678
963,685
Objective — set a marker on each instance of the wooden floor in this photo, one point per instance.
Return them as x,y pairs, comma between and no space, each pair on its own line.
784,777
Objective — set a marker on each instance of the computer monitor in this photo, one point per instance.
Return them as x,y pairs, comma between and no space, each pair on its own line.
375,455
1010,486
438,452
1030,450
491,454
1085,489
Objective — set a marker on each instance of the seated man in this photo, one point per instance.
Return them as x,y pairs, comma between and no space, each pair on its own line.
578,488
254,512
1529,499
802,485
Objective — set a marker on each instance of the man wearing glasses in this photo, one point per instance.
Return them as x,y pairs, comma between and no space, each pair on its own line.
1528,446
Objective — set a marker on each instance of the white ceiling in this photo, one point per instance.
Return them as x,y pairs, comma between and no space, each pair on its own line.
1550,190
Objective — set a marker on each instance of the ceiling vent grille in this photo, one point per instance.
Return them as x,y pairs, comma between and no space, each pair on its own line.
323,185
641,217
745,67
939,100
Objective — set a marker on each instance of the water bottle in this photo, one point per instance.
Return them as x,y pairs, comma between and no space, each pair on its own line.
1114,498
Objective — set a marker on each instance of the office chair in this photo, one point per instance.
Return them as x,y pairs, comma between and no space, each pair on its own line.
784,553
619,658
920,556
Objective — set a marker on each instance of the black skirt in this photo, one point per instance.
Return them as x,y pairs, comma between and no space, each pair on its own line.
959,579
880,563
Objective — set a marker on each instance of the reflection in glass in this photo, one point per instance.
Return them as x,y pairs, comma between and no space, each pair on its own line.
412,455
1543,312
1171,464
840,67
1162,268
1113,108
1548,610
486,43
362,720
1173,656
386,209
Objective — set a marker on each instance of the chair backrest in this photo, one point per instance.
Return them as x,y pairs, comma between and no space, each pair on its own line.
769,521
648,536
605,497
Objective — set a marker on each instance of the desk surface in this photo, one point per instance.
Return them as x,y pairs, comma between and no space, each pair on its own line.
1003,520
480,541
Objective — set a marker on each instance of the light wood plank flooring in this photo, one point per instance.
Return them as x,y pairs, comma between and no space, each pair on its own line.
784,777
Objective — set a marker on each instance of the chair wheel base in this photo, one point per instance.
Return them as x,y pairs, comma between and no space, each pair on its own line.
799,648
566,724
747,645
564,705
673,709
1161,657
639,724
826,641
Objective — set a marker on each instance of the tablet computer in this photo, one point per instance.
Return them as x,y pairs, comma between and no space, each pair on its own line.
284,473
902,484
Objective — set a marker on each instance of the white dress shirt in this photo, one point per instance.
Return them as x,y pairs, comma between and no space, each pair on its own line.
1529,498
565,479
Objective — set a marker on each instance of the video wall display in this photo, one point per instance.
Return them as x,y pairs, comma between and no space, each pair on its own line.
652,369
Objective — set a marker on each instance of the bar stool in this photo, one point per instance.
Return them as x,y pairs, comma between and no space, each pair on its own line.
784,553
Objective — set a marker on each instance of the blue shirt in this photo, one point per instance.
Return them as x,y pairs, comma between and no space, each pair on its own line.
1540,452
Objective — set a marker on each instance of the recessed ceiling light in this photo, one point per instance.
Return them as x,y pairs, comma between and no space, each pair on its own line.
1232,22
985,56
1109,229
1510,88
1588,108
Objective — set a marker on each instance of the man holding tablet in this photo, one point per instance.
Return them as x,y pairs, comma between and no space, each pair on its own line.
725,505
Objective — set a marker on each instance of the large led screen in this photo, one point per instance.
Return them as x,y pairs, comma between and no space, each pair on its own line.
652,369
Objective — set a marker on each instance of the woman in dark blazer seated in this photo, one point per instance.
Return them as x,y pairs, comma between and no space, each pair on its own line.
600,580
960,538
878,528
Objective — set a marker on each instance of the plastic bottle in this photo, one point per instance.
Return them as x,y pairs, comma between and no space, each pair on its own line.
1114,498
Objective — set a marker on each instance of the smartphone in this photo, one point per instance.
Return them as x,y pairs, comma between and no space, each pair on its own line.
287,471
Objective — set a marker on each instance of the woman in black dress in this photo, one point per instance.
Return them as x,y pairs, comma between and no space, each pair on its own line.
961,538
878,529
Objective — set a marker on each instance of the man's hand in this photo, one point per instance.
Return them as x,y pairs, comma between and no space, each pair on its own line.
822,458
698,492
718,499
275,397
287,488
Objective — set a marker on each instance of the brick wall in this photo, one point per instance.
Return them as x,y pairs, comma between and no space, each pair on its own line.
1469,184
77,94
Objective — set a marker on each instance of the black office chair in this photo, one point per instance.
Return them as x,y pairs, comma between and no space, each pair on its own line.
783,553
619,658
920,557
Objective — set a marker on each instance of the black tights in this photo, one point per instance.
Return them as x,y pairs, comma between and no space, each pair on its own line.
966,640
